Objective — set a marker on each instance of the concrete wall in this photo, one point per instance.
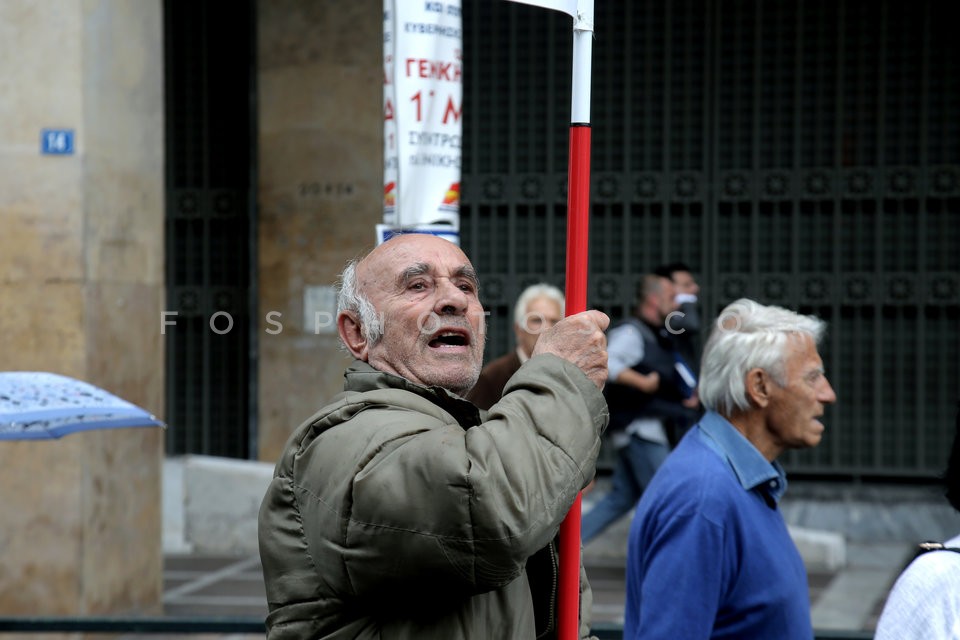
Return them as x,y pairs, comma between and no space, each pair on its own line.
321,170
210,504
81,287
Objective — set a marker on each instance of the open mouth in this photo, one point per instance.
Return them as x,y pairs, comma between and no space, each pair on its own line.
449,339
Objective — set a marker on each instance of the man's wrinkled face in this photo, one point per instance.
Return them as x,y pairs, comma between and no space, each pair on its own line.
541,314
795,409
426,292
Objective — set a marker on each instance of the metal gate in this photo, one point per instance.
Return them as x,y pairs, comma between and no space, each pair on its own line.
210,215
803,153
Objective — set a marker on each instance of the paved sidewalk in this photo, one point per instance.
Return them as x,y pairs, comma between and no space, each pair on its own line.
214,586
232,587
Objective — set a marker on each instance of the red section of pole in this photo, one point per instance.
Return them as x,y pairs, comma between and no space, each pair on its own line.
578,225
578,218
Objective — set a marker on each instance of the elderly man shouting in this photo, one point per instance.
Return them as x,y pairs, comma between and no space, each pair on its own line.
400,510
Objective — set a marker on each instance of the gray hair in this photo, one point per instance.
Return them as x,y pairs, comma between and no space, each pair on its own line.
531,293
350,299
748,335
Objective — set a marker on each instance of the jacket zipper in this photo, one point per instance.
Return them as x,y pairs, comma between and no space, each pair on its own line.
554,566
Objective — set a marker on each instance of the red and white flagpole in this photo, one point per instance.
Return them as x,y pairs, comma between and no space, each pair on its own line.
578,225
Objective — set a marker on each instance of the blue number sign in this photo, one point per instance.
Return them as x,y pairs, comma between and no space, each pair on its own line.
56,141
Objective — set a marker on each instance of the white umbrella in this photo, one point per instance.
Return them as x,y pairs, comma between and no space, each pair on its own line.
36,405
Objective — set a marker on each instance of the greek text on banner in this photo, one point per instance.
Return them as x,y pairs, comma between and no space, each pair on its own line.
422,111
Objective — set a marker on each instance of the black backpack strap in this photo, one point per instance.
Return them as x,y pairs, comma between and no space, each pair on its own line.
936,546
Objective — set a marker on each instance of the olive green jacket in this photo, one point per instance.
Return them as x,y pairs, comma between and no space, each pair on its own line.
401,511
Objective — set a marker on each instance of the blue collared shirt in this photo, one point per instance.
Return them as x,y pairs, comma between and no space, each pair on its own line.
709,555
749,465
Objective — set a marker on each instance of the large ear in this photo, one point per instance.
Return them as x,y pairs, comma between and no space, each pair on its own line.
757,383
351,332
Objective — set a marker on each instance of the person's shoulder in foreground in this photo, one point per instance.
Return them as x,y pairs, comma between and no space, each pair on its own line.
400,510
709,555
924,603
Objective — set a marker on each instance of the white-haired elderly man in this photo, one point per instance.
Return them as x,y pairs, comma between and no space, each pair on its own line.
709,555
538,307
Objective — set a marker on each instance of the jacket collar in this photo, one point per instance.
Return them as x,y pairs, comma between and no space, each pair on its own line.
361,377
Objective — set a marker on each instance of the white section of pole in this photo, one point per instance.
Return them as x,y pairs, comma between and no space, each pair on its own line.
582,58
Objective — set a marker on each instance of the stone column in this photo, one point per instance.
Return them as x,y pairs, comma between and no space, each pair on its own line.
320,85
81,289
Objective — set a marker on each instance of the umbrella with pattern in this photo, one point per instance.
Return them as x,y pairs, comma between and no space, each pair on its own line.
36,405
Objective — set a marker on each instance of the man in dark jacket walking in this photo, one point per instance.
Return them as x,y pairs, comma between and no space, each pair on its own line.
651,397
400,510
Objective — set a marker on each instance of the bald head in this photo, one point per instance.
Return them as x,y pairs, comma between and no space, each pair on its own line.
415,250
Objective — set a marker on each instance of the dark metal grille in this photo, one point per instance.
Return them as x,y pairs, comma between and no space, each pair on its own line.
801,153
209,64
